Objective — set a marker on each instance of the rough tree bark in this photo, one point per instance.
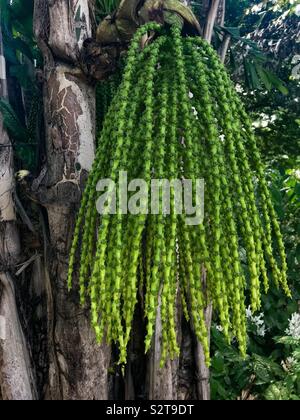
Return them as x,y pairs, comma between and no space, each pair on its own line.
78,367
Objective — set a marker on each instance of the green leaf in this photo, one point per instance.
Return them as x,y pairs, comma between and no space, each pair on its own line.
22,8
274,393
21,73
5,12
19,45
263,76
219,391
173,19
249,42
253,79
235,32
288,341
277,83
218,363
12,123
258,56
266,370
232,60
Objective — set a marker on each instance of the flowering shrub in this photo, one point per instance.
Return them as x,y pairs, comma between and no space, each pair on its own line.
260,376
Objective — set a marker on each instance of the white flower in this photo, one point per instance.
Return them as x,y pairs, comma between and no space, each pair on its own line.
273,118
296,66
296,58
239,88
297,174
257,321
219,328
257,8
195,112
297,10
249,313
261,331
264,120
294,326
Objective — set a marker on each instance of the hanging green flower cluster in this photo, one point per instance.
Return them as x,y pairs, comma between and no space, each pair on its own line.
105,92
176,115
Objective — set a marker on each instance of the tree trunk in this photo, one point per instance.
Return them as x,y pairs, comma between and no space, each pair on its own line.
16,375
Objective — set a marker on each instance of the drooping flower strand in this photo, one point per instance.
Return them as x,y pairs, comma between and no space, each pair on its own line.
232,271
138,221
159,279
169,171
98,276
268,207
196,294
244,168
88,208
122,233
130,158
172,173
158,170
213,138
245,215
89,192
